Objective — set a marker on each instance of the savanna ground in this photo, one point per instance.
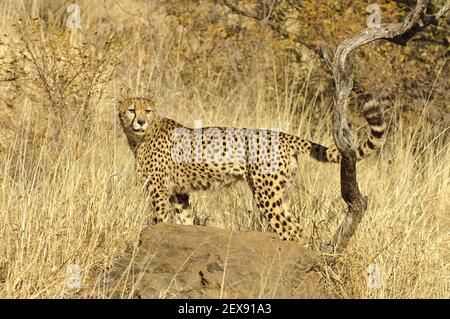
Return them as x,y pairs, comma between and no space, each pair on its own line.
68,191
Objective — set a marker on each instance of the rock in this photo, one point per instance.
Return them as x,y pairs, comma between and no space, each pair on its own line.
177,261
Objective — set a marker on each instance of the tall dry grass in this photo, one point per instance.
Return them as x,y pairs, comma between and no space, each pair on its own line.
78,202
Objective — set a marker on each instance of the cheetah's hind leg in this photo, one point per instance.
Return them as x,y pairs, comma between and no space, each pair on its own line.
269,197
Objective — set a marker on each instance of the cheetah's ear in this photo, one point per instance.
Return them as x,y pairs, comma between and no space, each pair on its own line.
124,93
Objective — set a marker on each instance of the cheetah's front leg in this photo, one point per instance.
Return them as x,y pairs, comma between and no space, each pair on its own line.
159,199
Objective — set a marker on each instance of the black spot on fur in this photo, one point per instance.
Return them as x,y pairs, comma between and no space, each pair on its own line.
376,133
376,120
361,152
319,152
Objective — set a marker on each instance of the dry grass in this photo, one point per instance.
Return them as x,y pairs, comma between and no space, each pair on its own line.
79,202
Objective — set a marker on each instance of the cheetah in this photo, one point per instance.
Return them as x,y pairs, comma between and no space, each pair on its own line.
173,160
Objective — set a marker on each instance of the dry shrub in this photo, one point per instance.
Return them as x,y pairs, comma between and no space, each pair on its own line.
60,72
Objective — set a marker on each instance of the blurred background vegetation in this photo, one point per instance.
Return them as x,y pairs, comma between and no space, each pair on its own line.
219,46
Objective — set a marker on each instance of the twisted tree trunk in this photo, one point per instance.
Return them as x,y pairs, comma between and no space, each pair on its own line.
398,33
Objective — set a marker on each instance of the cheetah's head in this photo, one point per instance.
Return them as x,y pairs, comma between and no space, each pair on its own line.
135,115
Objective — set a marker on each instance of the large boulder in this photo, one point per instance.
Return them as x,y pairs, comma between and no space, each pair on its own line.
176,261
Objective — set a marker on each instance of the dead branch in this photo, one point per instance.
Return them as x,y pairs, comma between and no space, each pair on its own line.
399,33
278,29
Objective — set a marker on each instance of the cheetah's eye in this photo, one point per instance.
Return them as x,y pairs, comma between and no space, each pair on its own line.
147,111
131,110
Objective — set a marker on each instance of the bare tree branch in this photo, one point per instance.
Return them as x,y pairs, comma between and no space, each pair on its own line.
398,33
242,12
274,26
278,29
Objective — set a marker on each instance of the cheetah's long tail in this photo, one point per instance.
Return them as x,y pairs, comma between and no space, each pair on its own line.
373,114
